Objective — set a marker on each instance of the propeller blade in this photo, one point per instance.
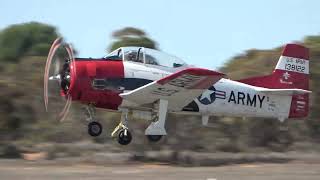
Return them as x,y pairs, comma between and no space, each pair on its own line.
55,45
61,74
66,109
63,114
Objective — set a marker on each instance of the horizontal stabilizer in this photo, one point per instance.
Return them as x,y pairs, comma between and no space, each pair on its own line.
283,92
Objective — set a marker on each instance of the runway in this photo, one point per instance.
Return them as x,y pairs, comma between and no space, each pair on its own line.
24,170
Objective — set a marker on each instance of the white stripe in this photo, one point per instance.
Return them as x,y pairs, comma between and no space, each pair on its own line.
301,102
300,107
293,64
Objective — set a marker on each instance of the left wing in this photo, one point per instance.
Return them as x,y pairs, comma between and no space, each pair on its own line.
179,88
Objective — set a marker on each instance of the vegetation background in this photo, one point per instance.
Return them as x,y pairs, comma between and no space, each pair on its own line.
26,127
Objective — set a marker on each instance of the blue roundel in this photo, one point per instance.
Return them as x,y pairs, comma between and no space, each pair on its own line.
208,97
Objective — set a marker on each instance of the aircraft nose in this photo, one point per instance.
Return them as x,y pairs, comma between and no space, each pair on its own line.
94,75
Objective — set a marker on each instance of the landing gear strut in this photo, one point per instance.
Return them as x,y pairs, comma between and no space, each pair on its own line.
94,127
156,129
124,135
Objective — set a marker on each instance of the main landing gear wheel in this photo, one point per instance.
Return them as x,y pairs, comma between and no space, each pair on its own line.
154,138
124,137
94,128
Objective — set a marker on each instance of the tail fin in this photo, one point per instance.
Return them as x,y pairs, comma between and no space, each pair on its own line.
291,72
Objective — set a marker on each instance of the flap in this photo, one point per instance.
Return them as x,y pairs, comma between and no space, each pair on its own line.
179,88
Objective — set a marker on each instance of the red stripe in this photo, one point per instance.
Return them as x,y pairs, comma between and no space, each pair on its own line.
192,71
220,94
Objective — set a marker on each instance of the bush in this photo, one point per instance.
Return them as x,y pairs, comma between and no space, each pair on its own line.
10,151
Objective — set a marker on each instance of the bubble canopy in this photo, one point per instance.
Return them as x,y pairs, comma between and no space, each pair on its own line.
146,56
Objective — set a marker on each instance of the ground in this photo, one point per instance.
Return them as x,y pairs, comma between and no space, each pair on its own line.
25,170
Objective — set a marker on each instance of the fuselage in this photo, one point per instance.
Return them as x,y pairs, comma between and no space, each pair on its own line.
100,81
232,98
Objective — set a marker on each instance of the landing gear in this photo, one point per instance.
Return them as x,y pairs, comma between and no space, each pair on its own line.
156,129
124,135
94,127
154,138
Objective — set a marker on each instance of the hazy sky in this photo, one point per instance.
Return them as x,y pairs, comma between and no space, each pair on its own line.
205,33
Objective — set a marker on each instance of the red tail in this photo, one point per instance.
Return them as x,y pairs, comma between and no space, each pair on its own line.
291,72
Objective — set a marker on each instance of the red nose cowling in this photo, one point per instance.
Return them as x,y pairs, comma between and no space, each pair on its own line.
89,70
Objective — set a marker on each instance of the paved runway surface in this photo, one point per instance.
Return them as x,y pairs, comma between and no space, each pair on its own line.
23,170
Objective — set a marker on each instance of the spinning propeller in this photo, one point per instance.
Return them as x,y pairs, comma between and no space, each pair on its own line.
60,65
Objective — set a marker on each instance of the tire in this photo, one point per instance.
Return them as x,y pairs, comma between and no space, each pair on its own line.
94,128
124,140
154,138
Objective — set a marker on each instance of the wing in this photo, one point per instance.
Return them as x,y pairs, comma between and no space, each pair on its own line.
179,88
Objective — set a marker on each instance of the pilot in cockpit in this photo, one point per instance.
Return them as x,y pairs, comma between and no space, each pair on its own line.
132,56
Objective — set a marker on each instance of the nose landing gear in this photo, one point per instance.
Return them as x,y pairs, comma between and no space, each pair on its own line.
94,127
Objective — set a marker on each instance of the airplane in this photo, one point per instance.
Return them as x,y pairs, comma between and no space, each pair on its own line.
150,84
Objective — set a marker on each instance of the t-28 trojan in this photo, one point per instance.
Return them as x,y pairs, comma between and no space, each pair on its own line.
152,84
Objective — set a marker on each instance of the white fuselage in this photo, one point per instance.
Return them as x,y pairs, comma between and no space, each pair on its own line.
232,98
225,98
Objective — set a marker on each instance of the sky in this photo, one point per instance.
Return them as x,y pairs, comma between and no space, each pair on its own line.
205,33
